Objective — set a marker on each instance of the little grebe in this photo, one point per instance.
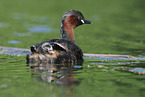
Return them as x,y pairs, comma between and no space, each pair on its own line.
62,50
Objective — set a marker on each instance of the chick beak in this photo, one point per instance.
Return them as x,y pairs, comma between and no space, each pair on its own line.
51,52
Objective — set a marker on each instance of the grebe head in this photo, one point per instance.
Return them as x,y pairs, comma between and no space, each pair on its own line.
74,18
69,21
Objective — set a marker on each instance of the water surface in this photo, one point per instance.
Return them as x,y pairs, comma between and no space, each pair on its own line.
97,77
118,28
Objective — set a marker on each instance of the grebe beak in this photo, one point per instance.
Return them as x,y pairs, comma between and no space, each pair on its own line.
84,21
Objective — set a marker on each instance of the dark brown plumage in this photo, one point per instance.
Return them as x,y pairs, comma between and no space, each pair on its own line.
62,50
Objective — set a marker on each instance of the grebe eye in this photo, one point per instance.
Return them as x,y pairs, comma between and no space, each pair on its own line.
79,18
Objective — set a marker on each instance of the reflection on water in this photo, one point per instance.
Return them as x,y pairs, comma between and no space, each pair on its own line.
127,64
3,25
66,80
14,51
21,34
20,16
61,74
115,58
3,86
14,41
122,63
25,18
32,28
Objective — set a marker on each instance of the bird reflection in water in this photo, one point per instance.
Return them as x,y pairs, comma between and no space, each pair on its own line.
61,74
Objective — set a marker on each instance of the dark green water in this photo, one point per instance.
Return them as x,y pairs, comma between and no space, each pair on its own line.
99,76
118,28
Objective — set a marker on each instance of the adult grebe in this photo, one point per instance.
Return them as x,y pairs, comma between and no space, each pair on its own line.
62,50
